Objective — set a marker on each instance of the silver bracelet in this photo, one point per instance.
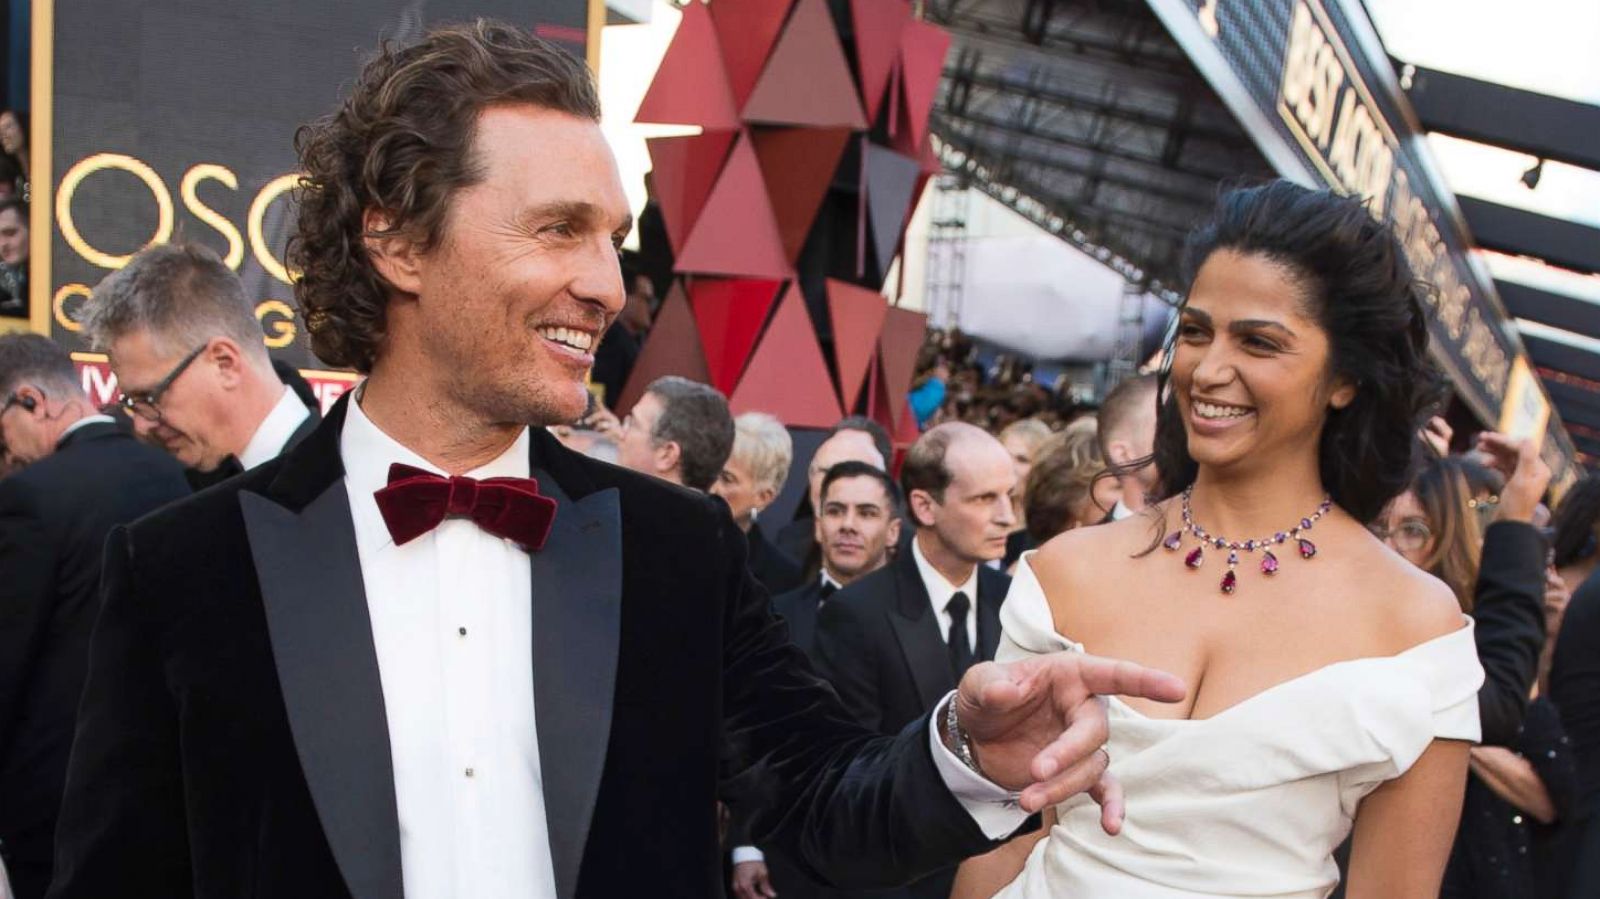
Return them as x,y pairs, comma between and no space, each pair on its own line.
959,738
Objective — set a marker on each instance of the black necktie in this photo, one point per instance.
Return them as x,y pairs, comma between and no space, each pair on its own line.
827,590
960,646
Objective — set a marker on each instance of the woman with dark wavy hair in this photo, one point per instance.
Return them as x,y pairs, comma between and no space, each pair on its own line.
1334,684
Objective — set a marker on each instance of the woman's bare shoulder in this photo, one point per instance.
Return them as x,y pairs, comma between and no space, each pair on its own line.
1405,603
1079,555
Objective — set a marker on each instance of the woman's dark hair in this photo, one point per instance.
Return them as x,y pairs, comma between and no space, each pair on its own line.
1361,290
1577,523
1441,489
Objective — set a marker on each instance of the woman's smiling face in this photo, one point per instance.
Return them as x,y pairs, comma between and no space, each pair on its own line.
1250,371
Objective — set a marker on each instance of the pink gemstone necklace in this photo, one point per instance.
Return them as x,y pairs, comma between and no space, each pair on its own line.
1269,562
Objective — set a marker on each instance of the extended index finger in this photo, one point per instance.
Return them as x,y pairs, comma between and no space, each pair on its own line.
1112,676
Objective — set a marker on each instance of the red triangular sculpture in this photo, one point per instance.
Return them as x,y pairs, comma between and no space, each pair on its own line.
807,80
736,234
799,165
878,26
922,51
903,333
683,170
690,86
673,348
746,29
857,315
787,376
730,313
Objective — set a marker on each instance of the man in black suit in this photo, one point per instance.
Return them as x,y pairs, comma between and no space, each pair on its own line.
82,475
186,347
430,652
896,641
858,527
854,439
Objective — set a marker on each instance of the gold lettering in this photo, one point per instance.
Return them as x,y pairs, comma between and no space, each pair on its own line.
280,333
258,212
58,305
98,162
191,199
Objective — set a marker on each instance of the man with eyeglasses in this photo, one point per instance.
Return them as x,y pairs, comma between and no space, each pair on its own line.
194,374
81,476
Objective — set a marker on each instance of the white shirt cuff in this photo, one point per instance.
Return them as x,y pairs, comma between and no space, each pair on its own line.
996,810
743,854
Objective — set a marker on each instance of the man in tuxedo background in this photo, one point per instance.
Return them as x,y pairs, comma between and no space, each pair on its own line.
859,524
855,438
81,476
679,431
186,348
1127,434
430,652
896,641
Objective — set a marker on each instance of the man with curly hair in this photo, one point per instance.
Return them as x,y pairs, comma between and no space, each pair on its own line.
430,652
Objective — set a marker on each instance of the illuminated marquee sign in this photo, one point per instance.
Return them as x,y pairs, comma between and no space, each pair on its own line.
1313,87
177,122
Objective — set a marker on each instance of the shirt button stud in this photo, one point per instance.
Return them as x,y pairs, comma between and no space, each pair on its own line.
469,772
462,631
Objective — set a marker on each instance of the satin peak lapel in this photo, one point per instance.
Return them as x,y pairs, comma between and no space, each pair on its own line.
577,628
316,607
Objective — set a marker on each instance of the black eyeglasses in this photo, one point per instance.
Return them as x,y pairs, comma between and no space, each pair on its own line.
11,400
146,404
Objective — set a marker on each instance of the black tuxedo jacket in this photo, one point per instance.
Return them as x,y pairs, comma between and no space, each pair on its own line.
798,608
773,570
54,518
879,644
232,739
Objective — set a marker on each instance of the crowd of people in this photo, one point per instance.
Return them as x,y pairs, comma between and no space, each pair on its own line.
14,194
249,646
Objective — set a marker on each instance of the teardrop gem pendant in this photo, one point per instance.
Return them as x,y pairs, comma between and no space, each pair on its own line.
1269,562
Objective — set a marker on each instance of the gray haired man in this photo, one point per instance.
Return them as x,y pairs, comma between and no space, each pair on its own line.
187,351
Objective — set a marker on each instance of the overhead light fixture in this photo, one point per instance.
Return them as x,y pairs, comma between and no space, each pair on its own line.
1531,177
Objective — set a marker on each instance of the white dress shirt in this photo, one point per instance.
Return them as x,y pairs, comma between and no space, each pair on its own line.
274,431
452,624
940,591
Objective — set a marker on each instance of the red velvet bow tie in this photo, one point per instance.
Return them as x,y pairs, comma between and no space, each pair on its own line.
416,501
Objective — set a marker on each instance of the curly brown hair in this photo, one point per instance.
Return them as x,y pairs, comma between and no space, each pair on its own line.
402,143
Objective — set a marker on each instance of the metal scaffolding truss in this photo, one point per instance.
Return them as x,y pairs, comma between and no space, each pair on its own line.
1085,116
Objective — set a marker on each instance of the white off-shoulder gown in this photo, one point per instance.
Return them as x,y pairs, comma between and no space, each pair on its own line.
1253,800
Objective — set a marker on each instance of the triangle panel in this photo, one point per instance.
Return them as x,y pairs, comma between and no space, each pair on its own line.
684,169
807,79
878,26
922,51
787,375
736,233
672,348
730,313
857,315
798,165
903,333
746,29
690,86
891,180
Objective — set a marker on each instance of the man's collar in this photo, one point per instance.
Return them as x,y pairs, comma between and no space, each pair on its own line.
87,420
939,589
275,430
